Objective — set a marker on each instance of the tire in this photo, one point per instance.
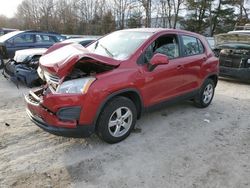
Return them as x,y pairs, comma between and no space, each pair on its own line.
116,120
1,62
205,94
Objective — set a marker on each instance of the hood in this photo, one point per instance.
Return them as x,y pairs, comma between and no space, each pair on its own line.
233,38
21,55
62,60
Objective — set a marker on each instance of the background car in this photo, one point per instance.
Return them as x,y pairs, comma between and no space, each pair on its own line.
234,55
211,42
4,31
18,40
23,67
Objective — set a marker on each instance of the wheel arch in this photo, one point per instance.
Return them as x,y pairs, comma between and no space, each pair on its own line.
131,93
213,77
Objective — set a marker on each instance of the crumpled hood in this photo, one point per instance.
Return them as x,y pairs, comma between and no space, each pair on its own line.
21,55
62,60
228,38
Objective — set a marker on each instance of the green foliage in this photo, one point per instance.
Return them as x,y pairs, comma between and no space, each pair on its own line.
135,20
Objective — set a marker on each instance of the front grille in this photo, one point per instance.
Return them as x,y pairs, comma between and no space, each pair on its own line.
229,59
52,80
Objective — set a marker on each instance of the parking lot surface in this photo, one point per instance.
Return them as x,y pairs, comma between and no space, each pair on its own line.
176,146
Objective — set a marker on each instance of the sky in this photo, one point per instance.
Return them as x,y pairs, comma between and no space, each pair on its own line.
8,7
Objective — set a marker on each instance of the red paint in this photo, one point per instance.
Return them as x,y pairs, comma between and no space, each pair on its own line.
177,77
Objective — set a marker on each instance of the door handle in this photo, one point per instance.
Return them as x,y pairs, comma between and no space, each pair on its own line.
179,67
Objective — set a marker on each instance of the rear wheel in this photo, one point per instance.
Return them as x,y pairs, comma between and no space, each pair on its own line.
205,95
116,120
1,62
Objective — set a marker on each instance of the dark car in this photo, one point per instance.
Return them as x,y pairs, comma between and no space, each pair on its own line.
105,87
18,40
23,67
4,31
234,55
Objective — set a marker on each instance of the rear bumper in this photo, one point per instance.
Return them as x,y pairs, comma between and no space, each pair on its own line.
237,73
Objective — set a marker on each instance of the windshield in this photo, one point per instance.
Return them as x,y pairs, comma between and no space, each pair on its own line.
119,45
9,35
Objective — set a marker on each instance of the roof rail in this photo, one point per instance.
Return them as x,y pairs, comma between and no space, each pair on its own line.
50,32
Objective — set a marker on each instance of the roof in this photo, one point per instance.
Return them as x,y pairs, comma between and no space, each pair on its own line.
240,32
158,30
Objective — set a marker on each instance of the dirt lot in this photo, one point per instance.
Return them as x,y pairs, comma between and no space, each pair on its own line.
178,146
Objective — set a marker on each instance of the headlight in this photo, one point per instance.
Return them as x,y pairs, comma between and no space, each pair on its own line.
80,85
40,73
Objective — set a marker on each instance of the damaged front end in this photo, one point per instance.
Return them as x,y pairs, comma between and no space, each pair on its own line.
62,105
23,67
234,56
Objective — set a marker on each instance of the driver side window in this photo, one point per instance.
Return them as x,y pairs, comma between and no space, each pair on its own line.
166,45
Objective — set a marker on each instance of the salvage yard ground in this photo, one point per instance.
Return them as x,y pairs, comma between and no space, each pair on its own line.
177,146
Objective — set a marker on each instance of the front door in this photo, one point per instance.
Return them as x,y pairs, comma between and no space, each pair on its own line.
165,81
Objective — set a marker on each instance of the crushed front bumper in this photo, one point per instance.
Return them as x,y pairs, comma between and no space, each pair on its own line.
21,72
237,73
50,122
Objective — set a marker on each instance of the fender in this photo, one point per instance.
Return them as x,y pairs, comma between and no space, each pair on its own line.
209,75
117,93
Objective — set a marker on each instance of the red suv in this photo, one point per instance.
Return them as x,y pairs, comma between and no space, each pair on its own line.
105,87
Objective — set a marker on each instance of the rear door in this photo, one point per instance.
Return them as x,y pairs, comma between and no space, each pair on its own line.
45,40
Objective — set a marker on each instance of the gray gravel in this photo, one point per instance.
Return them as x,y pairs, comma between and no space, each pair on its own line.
177,146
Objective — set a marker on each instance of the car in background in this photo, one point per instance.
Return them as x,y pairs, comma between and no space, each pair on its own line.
23,67
105,87
82,41
19,40
211,42
234,54
4,31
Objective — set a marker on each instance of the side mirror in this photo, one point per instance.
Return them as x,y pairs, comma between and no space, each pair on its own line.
157,59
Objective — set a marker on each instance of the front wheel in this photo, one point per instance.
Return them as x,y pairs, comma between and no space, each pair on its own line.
116,120
205,94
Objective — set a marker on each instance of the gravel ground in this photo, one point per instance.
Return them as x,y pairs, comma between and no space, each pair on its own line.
177,146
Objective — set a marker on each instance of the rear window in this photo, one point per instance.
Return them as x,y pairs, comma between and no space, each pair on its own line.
45,39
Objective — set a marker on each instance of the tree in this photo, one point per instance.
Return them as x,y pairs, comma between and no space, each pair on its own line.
108,23
147,5
120,9
169,11
135,20
198,14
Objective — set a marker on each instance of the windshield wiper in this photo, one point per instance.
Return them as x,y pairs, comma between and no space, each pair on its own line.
106,49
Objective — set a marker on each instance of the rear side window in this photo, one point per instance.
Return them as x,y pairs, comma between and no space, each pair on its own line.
192,46
45,39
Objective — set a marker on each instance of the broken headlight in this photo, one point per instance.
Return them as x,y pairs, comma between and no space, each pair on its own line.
40,73
80,85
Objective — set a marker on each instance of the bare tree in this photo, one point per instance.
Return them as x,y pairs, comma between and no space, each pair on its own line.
147,5
121,7
170,10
